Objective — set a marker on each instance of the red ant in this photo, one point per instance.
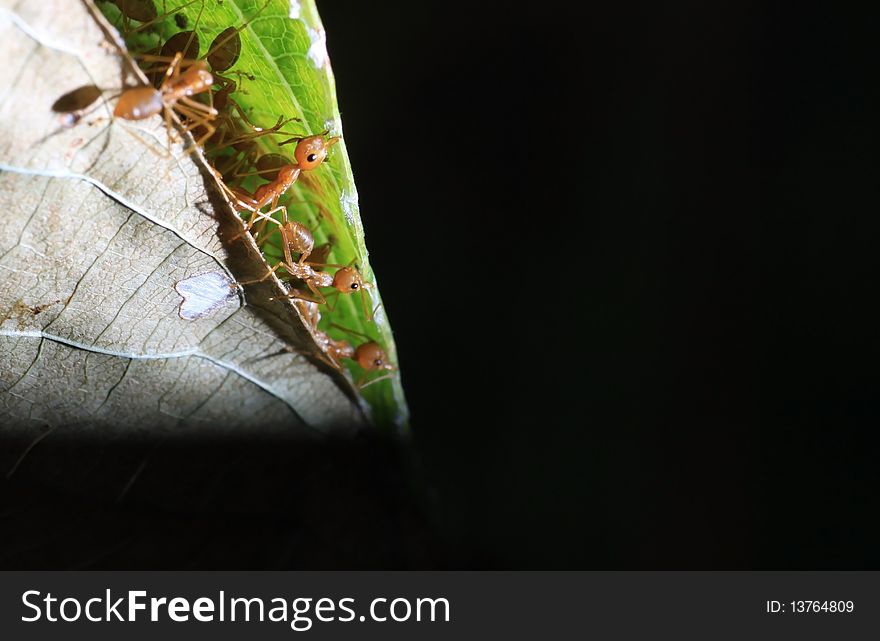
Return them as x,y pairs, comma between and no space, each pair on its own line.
310,152
221,56
368,355
297,238
174,93
177,88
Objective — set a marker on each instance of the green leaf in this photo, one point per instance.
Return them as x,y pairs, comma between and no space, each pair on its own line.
283,49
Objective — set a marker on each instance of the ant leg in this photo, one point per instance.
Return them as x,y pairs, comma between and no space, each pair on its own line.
330,141
197,107
317,292
337,265
242,203
257,172
238,201
275,129
170,73
290,140
234,161
169,128
257,131
366,306
250,123
151,57
351,331
211,104
300,295
256,214
361,385
261,238
229,85
257,220
158,151
197,119
271,271
210,130
335,296
235,199
173,71
266,218
326,358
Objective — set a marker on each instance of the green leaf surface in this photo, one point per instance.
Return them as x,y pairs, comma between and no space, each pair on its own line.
286,72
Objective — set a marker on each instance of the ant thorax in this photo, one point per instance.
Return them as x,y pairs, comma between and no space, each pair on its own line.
342,349
308,274
196,79
335,349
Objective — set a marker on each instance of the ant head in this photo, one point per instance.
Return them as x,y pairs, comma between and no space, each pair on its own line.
348,280
372,357
310,152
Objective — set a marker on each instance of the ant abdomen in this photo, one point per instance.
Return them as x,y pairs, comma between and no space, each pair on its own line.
299,238
77,100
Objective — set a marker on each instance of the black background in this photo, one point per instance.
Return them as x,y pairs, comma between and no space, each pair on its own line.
628,250
628,253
